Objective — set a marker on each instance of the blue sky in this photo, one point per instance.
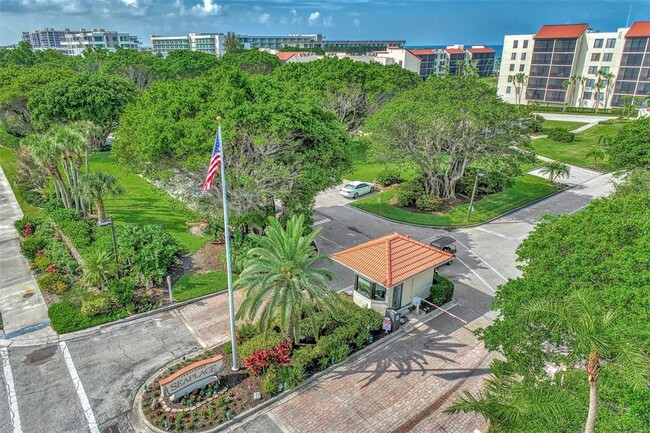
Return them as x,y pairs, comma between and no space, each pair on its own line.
419,22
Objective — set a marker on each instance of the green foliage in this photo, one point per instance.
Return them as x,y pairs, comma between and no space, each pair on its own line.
60,256
231,43
67,317
290,376
388,177
53,283
42,262
31,245
561,134
246,331
407,193
427,203
555,170
122,290
34,222
253,61
270,381
498,174
441,291
630,147
188,64
227,348
305,356
100,268
96,305
191,286
80,232
262,341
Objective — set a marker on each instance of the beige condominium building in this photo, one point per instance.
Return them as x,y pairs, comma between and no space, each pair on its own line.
76,42
573,65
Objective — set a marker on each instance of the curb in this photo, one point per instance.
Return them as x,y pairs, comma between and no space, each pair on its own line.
138,420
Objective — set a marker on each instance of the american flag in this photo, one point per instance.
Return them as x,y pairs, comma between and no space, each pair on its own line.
215,162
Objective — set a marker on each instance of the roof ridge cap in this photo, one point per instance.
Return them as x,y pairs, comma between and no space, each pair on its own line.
370,243
389,271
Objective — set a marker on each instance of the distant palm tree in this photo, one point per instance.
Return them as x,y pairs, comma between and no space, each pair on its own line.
555,169
520,79
596,153
583,335
232,44
100,268
280,278
608,78
566,84
583,85
95,186
598,90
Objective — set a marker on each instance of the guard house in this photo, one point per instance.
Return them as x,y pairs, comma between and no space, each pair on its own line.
391,270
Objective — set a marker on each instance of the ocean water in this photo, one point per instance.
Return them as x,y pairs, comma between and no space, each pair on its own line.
497,48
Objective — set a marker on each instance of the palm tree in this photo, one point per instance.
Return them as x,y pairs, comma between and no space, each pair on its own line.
596,153
583,84
555,169
511,405
608,78
95,186
583,335
566,84
46,152
72,146
231,43
598,88
280,278
520,79
100,268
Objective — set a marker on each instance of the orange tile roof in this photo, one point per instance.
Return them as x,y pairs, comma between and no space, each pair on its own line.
454,50
639,29
285,55
481,50
423,52
391,259
561,31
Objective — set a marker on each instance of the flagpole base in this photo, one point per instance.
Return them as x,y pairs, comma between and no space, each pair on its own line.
234,369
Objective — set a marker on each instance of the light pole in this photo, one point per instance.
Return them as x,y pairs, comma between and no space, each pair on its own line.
471,201
110,223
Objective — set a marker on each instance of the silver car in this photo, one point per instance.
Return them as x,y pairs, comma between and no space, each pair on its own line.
356,189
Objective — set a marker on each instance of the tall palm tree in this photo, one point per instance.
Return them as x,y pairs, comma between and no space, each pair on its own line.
72,146
511,405
520,79
583,85
555,169
100,268
95,186
566,84
281,280
580,334
598,90
608,78
46,152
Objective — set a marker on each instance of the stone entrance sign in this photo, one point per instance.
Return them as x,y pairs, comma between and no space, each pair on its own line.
191,377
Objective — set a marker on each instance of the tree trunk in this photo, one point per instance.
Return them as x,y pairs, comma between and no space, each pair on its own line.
101,212
90,202
593,367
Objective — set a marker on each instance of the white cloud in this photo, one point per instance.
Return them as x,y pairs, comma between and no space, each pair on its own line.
356,22
328,21
313,18
263,19
133,3
208,7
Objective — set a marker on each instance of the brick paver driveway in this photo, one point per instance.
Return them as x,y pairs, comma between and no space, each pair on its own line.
400,387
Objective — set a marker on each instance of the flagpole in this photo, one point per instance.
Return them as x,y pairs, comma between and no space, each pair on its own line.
226,235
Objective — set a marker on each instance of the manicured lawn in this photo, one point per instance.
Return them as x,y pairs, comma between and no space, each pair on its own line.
10,166
142,203
549,124
363,169
192,286
575,153
526,189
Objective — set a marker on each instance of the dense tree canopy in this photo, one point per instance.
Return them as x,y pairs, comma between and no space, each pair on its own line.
253,61
140,67
630,147
353,90
278,144
443,126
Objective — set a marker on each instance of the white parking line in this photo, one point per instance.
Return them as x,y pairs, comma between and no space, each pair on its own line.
492,232
481,259
472,271
11,391
85,404
323,221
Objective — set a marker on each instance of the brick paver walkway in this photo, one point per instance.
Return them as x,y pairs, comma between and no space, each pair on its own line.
208,320
401,387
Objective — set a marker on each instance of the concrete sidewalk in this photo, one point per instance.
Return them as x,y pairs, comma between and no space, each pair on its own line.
22,307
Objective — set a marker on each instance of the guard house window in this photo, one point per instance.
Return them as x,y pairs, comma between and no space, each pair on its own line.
611,43
595,57
598,43
364,287
379,293
515,44
513,56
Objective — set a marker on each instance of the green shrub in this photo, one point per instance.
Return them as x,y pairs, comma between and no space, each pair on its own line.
291,376
45,230
66,317
561,134
408,192
52,205
339,353
53,283
306,355
31,245
227,348
362,338
96,305
22,223
246,331
270,382
32,197
427,203
442,290
78,231
123,290
388,177
42,262
59,254
263,341
60,215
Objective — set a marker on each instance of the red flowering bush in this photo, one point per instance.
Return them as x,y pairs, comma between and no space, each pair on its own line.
28,230
51,269
40,253
261,358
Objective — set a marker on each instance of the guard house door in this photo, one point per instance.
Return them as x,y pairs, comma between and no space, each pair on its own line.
396,302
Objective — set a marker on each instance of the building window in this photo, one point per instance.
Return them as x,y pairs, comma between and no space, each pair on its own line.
595,57
379,294
513,56
512,67
521,68
611,43
598,43
364,287
510,78
590,82
635,45
607,57
509,89
587,95
523,56
605,69
525,45
515,44
592,69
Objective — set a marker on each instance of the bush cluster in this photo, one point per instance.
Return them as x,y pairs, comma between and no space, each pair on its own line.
388,177
31,245
96,305
442,290
261,359
262,341
561,134
53,283
407,193
66,316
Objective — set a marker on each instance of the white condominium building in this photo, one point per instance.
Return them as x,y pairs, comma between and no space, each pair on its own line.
76,43
575,66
